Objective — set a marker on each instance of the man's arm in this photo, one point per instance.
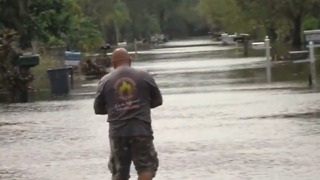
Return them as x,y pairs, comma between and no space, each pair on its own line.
156,100
155,94
99,106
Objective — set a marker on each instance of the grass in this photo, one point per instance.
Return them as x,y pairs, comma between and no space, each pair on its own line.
41,83
41,79
39,72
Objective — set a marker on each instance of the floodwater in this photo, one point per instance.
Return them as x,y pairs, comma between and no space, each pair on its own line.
220,120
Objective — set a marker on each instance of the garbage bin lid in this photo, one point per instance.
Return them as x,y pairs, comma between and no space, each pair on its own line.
59,69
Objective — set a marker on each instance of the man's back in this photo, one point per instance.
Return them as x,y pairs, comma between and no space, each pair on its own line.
128,94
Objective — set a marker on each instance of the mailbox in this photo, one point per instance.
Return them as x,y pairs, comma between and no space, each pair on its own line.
242,38
312,35
298,55
258,45
27,60
227,39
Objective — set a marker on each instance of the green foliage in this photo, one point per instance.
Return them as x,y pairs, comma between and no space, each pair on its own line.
51,19
121,13
311,23
54,41
84,35
82,24
282,20
51,22
224,15
152,25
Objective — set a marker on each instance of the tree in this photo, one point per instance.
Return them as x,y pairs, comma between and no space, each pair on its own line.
51,19
166,10
101,12
296,11
262,15
195,24
281,18
223,15
13,13
85,35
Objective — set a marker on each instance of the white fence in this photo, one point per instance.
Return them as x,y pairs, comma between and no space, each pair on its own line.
313,39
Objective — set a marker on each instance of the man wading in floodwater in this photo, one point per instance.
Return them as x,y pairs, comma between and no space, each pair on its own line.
127,95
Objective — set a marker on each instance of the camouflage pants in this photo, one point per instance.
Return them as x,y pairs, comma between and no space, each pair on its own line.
124,150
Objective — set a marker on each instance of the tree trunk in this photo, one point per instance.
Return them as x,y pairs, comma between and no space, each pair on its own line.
103,30
271,31
161,20
117,32
296,33
134,29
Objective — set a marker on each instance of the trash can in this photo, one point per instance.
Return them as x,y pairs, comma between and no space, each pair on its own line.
59,81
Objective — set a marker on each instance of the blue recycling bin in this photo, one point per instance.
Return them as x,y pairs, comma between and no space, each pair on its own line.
72,58
59,81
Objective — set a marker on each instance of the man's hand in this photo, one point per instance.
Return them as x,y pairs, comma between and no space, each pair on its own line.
156,102
100,111
155,94
99,106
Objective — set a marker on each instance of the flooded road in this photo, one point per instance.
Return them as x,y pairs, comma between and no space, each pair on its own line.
220,120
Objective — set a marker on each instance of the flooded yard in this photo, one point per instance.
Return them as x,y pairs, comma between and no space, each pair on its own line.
220,120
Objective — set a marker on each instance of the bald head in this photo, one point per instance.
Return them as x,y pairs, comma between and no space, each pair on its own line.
121,57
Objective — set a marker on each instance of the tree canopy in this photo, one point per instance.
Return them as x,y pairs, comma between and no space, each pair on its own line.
85,24
282,20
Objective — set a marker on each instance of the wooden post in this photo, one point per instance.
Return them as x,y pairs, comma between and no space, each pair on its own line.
246,47
135,48
237,46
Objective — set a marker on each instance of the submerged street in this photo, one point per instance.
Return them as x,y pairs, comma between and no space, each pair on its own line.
220,120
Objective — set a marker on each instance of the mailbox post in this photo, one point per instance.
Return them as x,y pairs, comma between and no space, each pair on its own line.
268,56
313,80
244,39
23,76
135,49
313,39
265,46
